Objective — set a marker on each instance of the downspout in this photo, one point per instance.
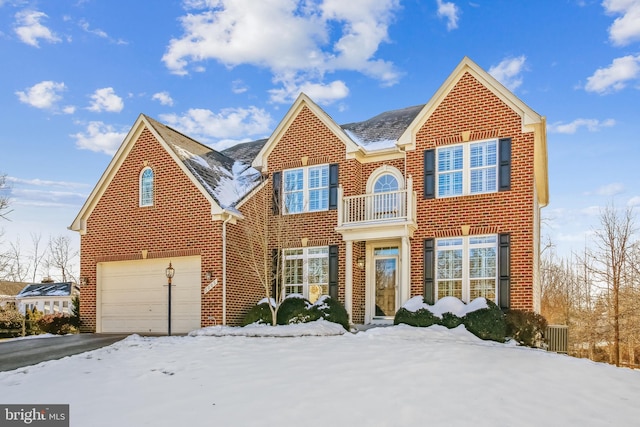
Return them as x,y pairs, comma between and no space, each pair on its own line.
224,269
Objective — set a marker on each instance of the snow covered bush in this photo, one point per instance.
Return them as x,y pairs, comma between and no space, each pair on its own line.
481,317
421,317
259,313
526,327
487,323
297,309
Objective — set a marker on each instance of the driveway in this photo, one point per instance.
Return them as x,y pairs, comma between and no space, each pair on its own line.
19,353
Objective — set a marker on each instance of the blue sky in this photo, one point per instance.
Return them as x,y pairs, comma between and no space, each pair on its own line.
75,75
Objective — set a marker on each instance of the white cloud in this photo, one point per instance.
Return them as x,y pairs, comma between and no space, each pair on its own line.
100,137
625,28
320,93
449,11
69,109
229,123
46,183
99,33
163,98
292,38
634,201
508,71
30,30
42,95
592,125
238,86
591,211
105,99
610,189
614,77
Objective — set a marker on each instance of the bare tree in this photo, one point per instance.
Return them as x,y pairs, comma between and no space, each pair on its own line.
37,254
265,238
61,256
16,270
611,264
4,197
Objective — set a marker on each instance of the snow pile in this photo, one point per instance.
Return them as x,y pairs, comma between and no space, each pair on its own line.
391,376
316,328
446,305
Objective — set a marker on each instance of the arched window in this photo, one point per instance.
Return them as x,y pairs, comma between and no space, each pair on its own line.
388,201
146,187
385,183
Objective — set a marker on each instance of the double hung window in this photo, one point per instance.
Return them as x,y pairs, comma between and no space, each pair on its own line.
466,267
306,272
306,189
465,169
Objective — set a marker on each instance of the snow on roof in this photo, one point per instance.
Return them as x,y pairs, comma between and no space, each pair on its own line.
46,290
383,130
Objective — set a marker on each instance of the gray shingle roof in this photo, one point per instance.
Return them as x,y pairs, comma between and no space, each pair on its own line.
385,127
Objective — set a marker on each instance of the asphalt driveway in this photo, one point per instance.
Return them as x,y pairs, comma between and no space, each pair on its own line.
19,353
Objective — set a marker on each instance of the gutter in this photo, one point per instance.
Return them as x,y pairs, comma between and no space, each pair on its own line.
224,267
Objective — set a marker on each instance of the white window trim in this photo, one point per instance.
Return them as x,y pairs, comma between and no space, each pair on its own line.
305,257
384,170
466,168
466,279
305,189
141,190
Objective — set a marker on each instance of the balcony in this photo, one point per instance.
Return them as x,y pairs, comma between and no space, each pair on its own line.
391,213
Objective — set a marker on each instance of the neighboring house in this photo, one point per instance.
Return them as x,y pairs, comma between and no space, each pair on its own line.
8,292
48,298
440,199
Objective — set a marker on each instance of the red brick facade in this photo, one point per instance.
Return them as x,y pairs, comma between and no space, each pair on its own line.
180,222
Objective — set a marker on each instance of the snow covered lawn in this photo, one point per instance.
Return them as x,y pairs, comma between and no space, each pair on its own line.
393,376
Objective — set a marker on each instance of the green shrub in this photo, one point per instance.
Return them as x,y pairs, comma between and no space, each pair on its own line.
422,318
450,320
526,327
31,321
331,310
259,313
58,323
294,310
487,323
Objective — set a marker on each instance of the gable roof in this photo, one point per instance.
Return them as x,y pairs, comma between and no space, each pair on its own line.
222,179
9,288
531,121
61,289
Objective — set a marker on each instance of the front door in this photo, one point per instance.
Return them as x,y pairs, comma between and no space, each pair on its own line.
386,282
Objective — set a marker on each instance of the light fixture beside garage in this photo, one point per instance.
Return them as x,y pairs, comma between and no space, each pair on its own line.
208,275
84,280
169,272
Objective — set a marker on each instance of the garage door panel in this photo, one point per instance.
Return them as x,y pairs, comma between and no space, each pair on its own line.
134,296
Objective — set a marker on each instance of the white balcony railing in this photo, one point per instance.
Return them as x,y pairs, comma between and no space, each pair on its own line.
377,207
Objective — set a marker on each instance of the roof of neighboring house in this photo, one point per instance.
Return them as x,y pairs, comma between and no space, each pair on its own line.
48,290
10,288
383,130
226,177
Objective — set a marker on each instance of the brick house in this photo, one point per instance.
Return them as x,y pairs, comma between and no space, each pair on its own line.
440,199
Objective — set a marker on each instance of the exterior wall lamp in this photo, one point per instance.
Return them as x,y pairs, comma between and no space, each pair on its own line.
169,272
360,262
84,280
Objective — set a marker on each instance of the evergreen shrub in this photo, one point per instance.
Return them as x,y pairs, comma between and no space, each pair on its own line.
526,327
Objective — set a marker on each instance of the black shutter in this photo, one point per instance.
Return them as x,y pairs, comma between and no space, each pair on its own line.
504,167
276,273
429,177
333,186
428,272
504,272
333,272
276,201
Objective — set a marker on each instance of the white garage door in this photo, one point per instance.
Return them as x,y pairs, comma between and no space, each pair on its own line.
133,295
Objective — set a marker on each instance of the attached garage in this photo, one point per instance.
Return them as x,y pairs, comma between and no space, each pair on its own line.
132,296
